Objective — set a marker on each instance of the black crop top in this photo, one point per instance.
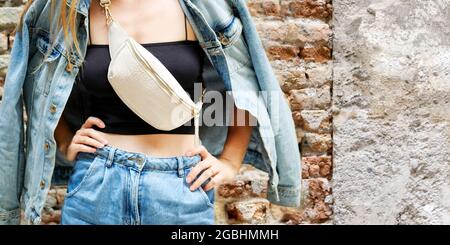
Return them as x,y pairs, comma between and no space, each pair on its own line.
92,94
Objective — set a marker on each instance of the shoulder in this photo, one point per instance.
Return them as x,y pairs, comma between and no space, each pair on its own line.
216,12
212,2
36,9
42,15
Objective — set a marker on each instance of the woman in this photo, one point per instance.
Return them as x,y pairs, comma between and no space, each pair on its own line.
127,134
126,172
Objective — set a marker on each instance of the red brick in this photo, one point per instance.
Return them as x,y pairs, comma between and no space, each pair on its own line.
271,9
293,218
307,9
286,52
316,166
319,54
239,189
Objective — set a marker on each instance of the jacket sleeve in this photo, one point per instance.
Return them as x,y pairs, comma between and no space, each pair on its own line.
12,157
288,191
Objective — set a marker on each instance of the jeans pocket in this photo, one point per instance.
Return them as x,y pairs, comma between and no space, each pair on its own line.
84,166
207,196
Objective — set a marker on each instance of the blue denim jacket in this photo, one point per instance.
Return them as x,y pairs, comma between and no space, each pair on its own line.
227,35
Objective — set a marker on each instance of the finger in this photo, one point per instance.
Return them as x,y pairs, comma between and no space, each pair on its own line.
75,148
212,183
214,179
93,134
203,177
199,167
93,121
86,140
198,150
83,148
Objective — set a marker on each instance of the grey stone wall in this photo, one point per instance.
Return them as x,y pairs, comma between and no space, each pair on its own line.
391,112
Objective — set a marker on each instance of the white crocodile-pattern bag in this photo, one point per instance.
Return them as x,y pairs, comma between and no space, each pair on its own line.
144,84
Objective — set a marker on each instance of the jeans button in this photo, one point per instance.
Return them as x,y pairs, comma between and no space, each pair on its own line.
140,161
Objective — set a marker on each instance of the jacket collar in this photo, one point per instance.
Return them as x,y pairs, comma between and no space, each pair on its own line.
82,6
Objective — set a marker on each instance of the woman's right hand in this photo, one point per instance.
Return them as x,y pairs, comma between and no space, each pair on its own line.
86,139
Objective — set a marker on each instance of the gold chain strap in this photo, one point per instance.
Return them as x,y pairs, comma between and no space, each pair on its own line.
105,5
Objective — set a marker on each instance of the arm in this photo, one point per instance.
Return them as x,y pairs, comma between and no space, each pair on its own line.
238,138
224,168
12,152
286,191
63,135
86,139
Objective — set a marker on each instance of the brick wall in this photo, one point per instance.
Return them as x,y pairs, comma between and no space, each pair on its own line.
297,39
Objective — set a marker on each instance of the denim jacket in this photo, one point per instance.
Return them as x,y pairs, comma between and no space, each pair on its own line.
227,35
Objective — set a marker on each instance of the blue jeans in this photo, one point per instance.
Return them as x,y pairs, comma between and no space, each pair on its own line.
114,186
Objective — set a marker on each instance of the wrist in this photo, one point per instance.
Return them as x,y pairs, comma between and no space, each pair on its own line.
234,164
63,148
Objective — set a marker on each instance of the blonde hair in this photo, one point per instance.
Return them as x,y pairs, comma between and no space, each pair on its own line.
67,20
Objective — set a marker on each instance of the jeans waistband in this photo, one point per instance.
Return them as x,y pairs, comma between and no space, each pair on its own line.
146,162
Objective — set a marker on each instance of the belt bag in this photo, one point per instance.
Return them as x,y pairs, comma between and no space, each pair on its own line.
144,84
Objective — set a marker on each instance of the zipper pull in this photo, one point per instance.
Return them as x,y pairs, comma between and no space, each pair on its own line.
196,111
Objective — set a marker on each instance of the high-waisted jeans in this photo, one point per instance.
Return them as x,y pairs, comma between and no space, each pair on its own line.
114,186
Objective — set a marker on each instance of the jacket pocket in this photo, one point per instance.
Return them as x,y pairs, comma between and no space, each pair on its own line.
43,45
234,44
46,63
230,33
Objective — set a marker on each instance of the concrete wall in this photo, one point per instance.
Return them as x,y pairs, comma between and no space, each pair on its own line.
391,112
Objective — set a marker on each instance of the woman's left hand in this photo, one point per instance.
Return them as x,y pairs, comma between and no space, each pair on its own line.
216,170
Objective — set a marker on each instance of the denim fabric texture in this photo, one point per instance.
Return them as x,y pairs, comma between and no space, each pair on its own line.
39,86
114,186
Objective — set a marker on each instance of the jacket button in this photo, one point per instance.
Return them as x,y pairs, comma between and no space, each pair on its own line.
42,184
69,67
53,108
46,146
224,40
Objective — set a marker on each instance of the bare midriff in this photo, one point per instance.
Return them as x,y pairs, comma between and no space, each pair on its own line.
162,145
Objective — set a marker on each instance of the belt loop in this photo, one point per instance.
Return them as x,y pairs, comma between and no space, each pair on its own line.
110,159
180,166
